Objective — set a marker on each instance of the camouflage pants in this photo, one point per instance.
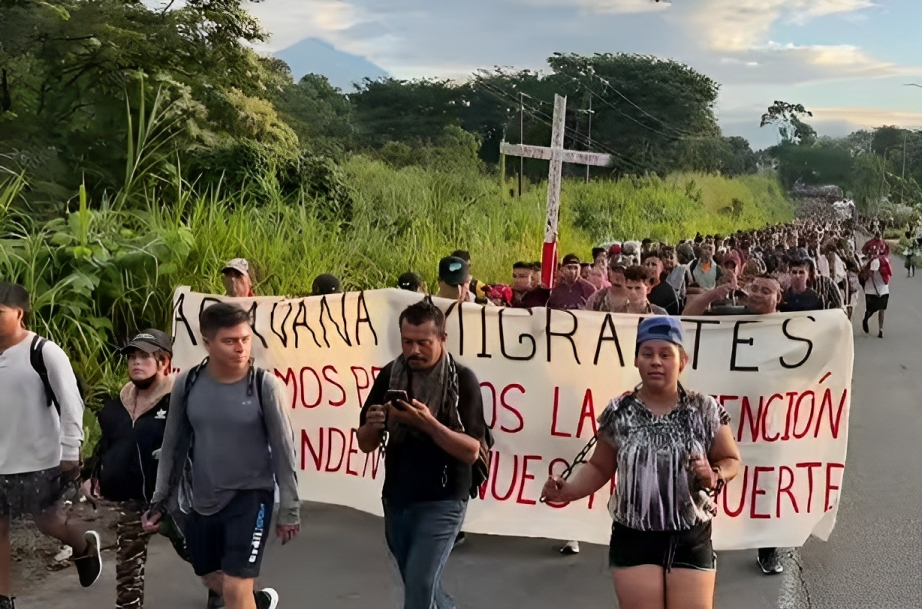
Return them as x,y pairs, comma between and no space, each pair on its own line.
131,554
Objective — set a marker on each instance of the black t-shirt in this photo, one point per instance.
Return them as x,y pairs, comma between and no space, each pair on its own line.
417,469
663,295
808,300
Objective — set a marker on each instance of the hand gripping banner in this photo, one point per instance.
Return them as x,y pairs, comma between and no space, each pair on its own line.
785,380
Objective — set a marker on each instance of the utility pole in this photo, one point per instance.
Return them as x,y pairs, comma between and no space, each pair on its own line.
903,177
589,143
521,139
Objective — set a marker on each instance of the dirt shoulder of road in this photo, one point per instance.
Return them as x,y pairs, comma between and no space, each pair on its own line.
35,556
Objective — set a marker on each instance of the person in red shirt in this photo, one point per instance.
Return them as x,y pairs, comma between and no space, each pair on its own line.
571,291
877,244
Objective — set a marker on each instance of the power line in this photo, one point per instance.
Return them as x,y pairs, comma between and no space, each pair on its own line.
546,119
625,98
678,135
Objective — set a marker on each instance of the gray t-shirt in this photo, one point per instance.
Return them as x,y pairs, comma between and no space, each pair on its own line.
230,450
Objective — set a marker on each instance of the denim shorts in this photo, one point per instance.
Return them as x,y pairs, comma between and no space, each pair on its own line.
691,549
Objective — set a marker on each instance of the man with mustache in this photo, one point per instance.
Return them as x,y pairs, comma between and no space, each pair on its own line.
762,297
425,411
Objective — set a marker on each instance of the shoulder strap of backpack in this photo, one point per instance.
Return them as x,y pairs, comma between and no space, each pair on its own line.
191,377
37,359
260,376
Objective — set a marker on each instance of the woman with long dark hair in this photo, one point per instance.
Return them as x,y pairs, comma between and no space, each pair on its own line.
673,451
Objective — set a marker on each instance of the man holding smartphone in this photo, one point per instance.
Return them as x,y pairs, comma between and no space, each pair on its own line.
429,411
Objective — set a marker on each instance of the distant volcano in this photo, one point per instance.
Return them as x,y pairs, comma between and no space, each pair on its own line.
314,56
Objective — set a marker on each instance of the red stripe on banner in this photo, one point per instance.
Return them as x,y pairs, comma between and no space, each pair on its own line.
549,263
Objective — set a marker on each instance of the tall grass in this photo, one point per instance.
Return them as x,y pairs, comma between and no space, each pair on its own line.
108,267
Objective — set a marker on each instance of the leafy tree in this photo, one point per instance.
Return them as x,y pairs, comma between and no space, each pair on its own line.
319,114
816,165
72,70
644,105
790,126
392,110
867,182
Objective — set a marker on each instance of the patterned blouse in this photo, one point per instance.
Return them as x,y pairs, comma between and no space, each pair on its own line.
655,490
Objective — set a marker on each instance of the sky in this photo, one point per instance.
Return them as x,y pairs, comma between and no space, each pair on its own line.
848,61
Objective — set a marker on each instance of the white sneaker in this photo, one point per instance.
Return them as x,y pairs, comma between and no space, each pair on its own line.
267,598
571,547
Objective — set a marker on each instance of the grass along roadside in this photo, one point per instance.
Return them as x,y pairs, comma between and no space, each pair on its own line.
108,268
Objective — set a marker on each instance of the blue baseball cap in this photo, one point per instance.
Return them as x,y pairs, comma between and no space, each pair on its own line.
661,327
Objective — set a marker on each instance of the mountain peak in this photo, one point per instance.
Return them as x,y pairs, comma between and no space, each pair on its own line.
315,56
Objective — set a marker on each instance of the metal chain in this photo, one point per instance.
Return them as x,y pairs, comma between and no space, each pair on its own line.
579,459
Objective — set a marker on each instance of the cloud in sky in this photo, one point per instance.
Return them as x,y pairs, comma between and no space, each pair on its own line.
759,50
599,6
739,25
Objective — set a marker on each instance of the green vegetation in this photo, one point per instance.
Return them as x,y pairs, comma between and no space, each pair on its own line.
105,269
141,147
881,169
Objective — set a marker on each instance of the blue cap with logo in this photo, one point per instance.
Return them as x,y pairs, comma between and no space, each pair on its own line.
661,327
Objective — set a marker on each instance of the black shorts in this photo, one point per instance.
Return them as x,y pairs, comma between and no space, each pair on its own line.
233,540
31,493
873,304
689,549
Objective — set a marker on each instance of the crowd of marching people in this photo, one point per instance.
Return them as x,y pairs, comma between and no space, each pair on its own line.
425,408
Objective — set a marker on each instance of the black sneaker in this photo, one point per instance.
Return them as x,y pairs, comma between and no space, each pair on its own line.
864,325
89,564
215,600
267,598
6,602
880,334
770,563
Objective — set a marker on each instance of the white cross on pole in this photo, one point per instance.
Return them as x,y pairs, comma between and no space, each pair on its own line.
557,155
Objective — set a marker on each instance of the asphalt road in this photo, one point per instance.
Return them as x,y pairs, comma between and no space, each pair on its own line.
873,559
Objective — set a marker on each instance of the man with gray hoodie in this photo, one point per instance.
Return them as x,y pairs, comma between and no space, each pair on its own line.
227,443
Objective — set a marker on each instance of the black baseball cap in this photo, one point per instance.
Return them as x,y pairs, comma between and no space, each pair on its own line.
149,341
570,259
409,281
453,270
326,284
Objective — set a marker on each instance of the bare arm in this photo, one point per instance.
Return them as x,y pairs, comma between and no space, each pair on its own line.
588,479
369,433
725,454
457,444
699,304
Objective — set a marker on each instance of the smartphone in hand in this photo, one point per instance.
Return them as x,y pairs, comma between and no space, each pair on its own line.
393,395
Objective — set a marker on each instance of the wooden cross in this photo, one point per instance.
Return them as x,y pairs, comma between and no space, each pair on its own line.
557,155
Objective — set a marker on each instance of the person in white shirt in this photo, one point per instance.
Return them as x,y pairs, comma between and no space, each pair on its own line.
876,293
40,437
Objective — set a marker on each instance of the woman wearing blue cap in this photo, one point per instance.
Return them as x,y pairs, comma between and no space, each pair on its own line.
673,451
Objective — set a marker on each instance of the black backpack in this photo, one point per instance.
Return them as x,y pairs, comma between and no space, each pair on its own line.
255,377
480,470
37,359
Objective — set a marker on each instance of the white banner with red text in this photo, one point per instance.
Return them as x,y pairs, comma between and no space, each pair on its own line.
545,375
